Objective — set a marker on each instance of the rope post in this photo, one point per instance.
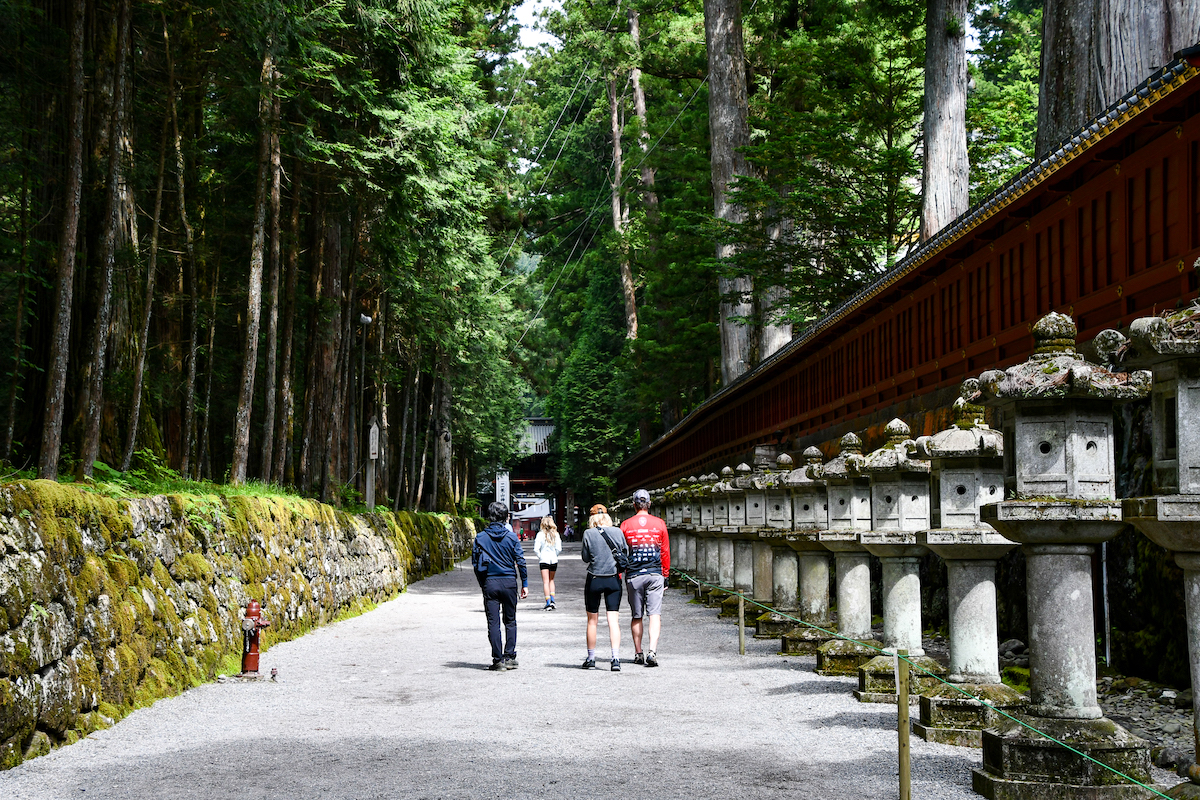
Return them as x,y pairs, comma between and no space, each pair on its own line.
741,623
902,724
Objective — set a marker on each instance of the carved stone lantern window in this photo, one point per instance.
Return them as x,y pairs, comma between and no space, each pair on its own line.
707,501
720,493
755,485
899,485
849,491
778,503
810,500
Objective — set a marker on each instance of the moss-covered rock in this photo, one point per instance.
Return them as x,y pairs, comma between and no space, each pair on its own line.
107,605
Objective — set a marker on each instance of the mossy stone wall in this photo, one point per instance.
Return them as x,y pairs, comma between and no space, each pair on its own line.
107,605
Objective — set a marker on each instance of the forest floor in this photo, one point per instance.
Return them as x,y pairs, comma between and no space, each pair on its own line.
399,703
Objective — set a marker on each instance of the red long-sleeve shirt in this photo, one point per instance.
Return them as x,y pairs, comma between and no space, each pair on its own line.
649,546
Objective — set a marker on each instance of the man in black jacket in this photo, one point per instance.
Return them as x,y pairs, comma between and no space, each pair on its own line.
496,556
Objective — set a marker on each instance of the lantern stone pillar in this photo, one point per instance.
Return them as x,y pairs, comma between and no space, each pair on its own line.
1058,430
741,536
1170,348
810,516
775,562
722,543
899,511
759,529
967,464
849,500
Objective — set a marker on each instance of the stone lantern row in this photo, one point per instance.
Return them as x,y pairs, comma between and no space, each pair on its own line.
969,494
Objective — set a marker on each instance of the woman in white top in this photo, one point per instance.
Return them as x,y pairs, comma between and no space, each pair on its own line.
547,546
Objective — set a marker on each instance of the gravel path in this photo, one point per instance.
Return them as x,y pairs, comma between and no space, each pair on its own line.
398,703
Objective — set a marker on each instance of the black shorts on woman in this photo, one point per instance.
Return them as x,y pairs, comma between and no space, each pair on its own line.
607,587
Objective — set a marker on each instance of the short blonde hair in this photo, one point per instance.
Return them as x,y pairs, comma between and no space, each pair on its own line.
600,520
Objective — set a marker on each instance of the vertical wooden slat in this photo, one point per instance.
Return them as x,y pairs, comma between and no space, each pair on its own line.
1064,264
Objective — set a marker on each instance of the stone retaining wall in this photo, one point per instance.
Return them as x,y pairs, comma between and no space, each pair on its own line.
107,605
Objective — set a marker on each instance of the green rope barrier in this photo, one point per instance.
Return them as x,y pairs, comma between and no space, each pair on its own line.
938,678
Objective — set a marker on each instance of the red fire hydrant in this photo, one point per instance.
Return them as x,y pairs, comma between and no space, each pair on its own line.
252,623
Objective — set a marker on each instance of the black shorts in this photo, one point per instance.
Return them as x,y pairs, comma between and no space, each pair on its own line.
543,565
606,586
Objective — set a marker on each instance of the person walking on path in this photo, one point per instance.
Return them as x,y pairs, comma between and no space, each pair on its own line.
600,542
547,546
649,565
496,557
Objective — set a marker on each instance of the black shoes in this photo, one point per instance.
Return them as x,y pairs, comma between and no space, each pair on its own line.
651,659
589,663
616,665
498,666
639,658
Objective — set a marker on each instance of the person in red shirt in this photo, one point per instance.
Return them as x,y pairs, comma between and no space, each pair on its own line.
649,565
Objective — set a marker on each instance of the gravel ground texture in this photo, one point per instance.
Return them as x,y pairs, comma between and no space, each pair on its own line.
399,703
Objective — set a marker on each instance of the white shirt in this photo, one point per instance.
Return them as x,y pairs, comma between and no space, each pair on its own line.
547,553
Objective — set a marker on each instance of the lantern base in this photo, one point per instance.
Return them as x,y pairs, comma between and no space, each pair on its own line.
842,657
877,679
1019,764
950,717
802,640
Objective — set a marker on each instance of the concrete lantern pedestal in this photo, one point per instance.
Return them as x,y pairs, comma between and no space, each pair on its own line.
810,514
1170,347
1058,424
785,584
743,579
849,506
764,568
853,569
901,621
725,562
899,510
967,462
814,607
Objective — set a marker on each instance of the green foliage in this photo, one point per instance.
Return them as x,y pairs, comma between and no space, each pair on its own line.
591,438
837,110
1002,109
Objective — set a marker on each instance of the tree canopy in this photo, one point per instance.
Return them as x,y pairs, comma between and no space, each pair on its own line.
362,211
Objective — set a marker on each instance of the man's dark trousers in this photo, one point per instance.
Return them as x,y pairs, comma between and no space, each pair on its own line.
500,597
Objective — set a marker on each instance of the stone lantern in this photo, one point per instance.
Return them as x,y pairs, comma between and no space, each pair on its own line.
1170,347
779,504
682,550
705,503
782,576
1058,455
720,495
737,489
738,537
722,543
849,500
756,498
810,512
766,493
707,567
899,511
669,505
968,471
688,497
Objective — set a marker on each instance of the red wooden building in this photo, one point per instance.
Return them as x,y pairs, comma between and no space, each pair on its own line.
1106,229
